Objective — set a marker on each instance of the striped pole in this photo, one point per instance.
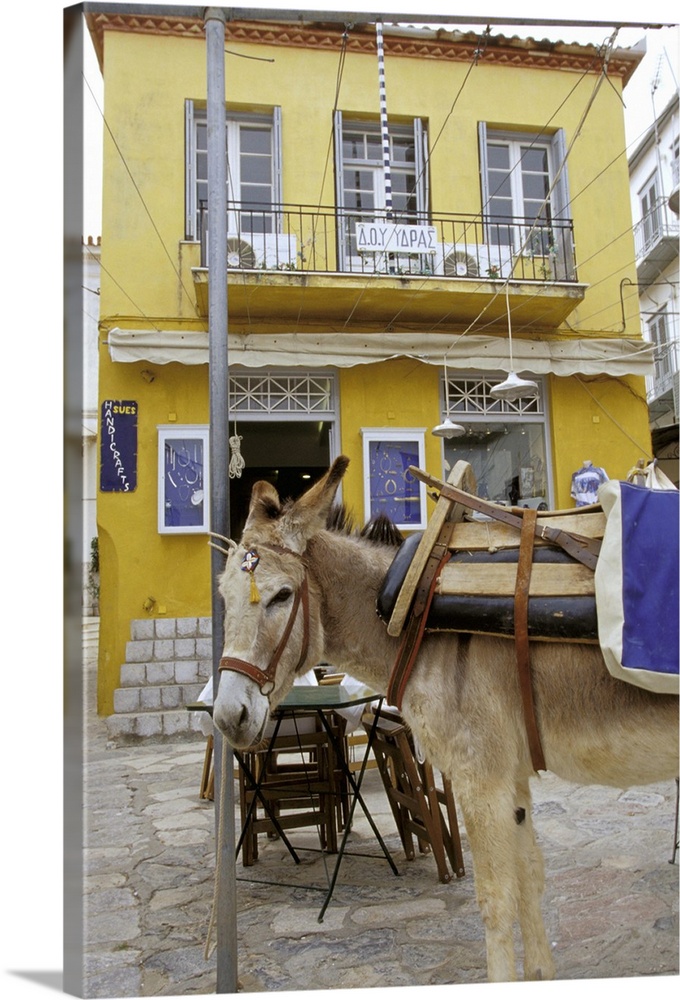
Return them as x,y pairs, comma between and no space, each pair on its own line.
383,119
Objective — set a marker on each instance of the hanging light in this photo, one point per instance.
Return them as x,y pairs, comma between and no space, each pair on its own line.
513,387
448,430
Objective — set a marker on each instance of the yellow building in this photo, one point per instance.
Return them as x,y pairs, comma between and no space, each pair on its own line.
358,322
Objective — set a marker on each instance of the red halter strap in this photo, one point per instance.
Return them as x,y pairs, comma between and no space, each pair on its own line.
264,677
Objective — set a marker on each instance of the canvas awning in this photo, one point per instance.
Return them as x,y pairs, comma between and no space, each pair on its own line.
577,356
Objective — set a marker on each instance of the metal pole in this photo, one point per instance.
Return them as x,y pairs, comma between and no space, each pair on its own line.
225,860
384,131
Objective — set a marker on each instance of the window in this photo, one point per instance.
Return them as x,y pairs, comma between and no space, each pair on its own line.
650,212
505,442
658,332
360,181
183,479
253,171
520,210
389,488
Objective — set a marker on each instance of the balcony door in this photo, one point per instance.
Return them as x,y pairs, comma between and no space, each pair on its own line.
360,185
525,194
253,143
650,211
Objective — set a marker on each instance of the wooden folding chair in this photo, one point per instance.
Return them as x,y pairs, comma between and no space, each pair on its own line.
420,808
297,777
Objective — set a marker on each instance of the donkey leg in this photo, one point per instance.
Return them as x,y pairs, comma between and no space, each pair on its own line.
492,833
538,959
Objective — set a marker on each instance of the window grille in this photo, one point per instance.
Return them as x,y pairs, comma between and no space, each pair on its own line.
282,394
471,396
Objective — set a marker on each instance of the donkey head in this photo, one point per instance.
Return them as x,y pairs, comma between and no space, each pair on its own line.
272,629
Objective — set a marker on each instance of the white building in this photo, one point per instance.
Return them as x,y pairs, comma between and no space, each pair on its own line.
654,192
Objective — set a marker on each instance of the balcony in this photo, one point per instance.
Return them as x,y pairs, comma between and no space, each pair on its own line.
656,243
346,264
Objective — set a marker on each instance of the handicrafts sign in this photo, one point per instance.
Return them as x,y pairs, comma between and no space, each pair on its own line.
118,454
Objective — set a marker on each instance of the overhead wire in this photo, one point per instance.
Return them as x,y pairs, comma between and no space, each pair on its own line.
135,185
338,84
473,63
530,145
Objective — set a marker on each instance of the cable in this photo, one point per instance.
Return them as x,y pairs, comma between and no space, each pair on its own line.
141,198
338,84
542,132
475,59
613,419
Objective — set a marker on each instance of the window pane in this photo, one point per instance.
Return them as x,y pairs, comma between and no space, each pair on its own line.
256,169
353,147
252,195
403,151
534,159
498,157
374,147
535,186
508,460
255,140
499,184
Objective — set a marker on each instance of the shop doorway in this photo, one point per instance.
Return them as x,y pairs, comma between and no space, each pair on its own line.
291,455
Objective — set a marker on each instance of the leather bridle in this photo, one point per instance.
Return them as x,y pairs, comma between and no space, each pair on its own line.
265,679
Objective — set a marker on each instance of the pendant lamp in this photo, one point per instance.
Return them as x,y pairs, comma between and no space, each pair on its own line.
448,430
513,387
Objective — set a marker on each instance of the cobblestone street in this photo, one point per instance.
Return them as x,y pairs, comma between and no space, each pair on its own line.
611,902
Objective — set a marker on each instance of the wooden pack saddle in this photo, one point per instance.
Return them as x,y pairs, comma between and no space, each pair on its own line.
482,567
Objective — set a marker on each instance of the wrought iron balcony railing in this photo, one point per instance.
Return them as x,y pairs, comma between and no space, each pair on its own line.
656,226
328,240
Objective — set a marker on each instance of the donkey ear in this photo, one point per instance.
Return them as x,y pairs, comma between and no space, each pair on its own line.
310,511
264,503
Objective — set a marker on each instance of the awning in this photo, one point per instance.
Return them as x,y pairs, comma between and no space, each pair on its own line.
578,356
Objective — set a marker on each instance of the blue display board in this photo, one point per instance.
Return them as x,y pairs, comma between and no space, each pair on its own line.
118,452
394,491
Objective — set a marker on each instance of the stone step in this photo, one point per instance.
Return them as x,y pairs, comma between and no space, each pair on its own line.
156,727
167,664
154,697
165,672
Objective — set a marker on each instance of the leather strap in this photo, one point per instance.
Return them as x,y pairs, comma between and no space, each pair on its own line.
267,676
524,564
417,620
585,550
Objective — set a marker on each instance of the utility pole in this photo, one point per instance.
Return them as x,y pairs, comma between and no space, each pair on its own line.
225,859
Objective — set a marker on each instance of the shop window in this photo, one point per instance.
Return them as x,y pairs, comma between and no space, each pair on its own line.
504,442
389,488
183,479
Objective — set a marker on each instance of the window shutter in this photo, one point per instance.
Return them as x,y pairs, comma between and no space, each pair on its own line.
422,171
483,165
561,204
339,180
277,192
189,171
339,190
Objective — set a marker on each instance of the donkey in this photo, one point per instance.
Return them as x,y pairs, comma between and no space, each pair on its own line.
297,593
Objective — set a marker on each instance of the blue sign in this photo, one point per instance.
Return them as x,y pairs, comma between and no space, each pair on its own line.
118,455
394,491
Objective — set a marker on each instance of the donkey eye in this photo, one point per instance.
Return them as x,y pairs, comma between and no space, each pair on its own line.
281,597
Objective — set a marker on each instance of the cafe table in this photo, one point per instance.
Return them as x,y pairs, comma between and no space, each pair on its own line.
322,700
